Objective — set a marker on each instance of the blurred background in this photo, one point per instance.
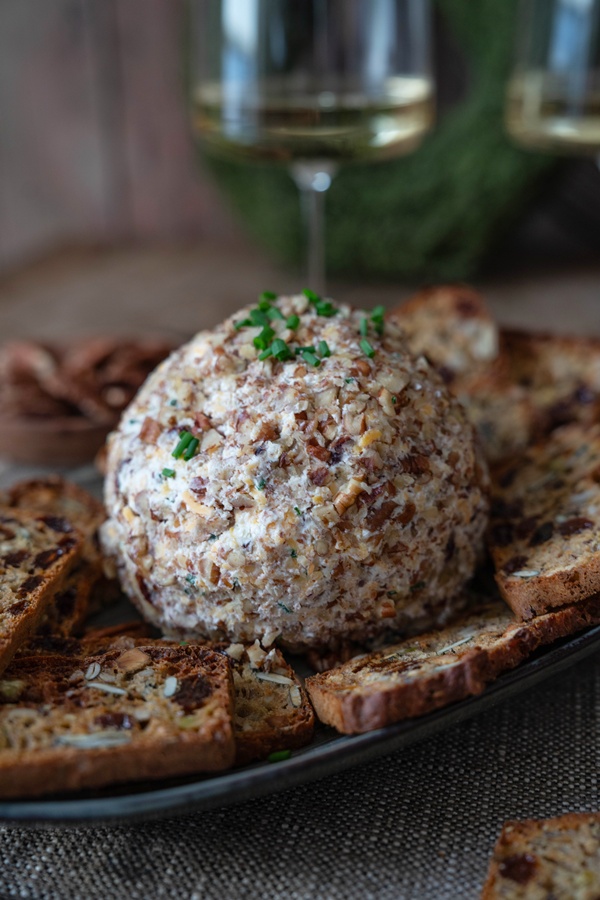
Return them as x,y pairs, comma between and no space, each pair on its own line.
109,217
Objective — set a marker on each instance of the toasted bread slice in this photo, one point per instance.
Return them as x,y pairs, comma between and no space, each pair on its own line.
432,670
544,532
36,555
452,327
271,708
560,374
145,712
55,496
88,590
543,858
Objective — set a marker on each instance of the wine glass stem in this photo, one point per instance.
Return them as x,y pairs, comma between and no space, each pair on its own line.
313,180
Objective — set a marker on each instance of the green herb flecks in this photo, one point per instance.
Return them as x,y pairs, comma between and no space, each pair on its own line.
261,484
297,511
168,473
263,340
323,349
191,449
417,586
366,348
279,756
185,439
284,607
310,358
292,322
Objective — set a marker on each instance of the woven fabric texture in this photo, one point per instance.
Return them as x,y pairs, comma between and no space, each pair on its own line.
418,824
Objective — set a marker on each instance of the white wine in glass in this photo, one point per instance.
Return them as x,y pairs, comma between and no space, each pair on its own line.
553,100
311,84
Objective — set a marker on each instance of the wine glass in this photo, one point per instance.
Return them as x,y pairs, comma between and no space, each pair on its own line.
311,84
553,100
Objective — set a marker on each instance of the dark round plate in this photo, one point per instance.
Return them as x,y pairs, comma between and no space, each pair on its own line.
329,753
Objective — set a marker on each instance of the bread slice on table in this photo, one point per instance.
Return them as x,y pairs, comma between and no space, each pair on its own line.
55,496
87,588
544,533
432,670
560,374
271,707
36,556
553,858
453,328
114,715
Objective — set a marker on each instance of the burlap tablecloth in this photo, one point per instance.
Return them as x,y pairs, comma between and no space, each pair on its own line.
418,824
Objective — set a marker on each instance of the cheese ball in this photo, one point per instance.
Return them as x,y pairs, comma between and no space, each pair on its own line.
295,475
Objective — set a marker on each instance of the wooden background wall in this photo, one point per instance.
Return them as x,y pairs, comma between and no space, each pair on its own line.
94,142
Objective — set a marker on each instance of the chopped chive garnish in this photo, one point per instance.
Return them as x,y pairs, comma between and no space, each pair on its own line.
258,317
323,349
377,318
172,402
323,308
268,295
348,380
293,322
310,348
310,358
280,349
191,449
394,399
265,354
364,327
279,756
310,295
366,348
168,473
185,439
183,643
417,586
262,341
191,579
275,313
243,324
297,511
261,484
283,606
264,305
212,537
293,554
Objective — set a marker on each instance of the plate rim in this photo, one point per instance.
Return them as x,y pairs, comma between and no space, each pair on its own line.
309,764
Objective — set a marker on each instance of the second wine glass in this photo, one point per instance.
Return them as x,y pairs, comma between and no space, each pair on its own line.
312,85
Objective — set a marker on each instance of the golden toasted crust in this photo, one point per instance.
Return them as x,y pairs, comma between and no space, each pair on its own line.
537,859
144,712
435,669
36,555
544,533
